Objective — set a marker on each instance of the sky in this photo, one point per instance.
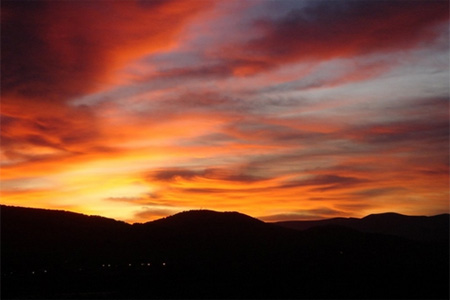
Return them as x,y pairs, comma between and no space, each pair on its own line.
281,110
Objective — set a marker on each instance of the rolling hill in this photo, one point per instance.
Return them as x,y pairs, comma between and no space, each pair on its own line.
207,254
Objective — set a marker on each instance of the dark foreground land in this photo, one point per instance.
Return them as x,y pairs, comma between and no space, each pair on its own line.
205,254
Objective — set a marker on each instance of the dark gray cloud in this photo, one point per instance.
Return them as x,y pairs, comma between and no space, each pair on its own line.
326,182
171,174
261,132
305,214
376,192
327,29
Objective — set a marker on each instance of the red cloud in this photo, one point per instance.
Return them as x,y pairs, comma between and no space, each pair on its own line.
335,29
63,49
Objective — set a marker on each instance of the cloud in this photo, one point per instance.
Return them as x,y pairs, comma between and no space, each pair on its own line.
266,131
377,192
413,136
325,30
56,51
63,131
359,207
310,33
305,214
221,174
58,58
172,174
301,107
151,213
329,182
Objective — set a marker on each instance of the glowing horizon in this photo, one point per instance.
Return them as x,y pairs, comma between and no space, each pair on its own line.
136,110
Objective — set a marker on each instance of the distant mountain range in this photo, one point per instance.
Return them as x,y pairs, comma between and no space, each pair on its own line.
419,228
207,254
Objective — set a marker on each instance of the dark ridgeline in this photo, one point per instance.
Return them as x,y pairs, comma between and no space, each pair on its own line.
206,254
419,228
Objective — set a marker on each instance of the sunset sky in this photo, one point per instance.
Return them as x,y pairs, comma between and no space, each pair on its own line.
136,110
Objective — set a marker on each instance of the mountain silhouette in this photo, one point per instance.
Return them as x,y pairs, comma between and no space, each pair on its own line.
419,228
208,217
207,254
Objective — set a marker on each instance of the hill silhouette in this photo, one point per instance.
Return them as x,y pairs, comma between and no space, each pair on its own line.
207,254
419,228
199,219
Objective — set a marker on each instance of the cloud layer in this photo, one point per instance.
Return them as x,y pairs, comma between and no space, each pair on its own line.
305,109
